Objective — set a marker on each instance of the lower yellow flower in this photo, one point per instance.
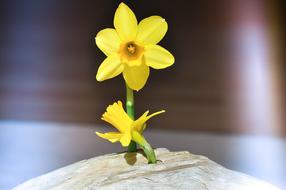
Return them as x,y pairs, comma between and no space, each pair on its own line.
128,129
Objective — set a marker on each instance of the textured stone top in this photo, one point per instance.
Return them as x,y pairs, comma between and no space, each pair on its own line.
174,170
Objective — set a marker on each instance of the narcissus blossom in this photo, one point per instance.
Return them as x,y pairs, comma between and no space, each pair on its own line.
131,48
128,129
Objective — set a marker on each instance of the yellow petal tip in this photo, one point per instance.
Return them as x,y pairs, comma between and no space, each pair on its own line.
122,4
99,134
98,78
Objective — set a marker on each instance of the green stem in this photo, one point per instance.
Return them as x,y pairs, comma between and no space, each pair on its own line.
131,112
139,139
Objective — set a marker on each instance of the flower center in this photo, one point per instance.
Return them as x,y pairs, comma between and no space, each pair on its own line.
131,48
130,51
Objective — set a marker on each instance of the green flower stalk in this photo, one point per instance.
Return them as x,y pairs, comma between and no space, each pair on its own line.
131,112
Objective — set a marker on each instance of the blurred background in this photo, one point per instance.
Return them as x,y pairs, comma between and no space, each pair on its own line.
224,96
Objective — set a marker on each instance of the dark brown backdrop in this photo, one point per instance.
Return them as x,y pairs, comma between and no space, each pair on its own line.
223,50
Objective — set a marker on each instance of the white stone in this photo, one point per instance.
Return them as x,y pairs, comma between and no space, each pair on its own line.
175,170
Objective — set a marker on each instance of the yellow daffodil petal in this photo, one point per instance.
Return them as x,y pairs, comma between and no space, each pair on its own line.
138,125
151,30
108,41
109,68
111,136
136,62
154,114
116,116
136,76
125,23
125,139
158,57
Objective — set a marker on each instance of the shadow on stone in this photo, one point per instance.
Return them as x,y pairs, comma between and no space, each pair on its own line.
131,157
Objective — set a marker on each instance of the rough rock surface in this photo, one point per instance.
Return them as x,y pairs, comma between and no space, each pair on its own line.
175,170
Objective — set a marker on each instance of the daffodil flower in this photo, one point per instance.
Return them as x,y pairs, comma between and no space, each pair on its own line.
131,48
128,129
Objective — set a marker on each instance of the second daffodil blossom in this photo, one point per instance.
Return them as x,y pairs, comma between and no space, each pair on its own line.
131,48
128,129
